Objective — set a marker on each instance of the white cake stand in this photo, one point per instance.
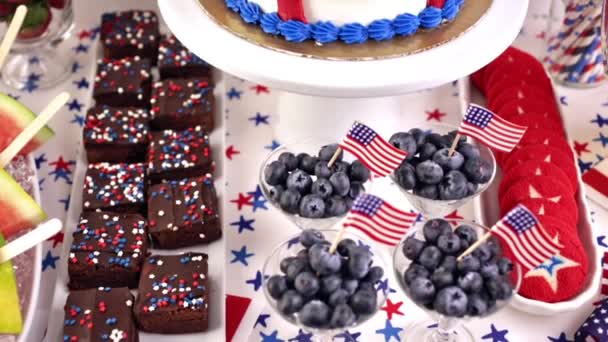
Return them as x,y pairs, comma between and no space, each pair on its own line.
324,97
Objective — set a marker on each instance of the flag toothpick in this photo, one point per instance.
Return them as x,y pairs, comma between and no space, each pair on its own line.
454,145
333,159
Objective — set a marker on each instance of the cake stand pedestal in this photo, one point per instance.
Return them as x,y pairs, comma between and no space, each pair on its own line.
324,97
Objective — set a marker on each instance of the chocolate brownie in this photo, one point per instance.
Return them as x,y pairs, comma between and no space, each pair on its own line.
175,155
182,103
100,315
116,134
123,82
173,294
114,187
107,250
130,33
176,61
183,213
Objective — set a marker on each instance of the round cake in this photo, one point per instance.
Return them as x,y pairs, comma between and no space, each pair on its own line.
348,21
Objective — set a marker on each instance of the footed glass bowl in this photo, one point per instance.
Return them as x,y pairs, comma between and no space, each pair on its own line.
448,329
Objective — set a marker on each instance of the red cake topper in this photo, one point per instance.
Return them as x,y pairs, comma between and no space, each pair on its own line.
292,10
436,3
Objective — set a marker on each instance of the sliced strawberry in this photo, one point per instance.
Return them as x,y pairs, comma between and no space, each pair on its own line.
58,4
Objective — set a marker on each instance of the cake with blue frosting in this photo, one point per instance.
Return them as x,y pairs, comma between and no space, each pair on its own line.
347,21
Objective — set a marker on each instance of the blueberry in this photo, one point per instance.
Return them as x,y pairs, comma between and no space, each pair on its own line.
471,282
364,302
330,283
374,275
339,296
483,252
422,290
366,285
356,189
405,176
345,245
322,170
451,301
358,172
341,166
275,173
312,206
405,142
322,187
494,246
453,186
307,284
415,161
415,271
328,151
303,254
335,206
449,243
427,151
290,201
499,288
290,303
427,191
435,227
448,163
276,192
469,151
412,248
438,140
469,263
505,266
277,285
418,134
340,183
295,267
350,285
478,171
315,314
489,269
343,316
430,257
466,233
323,262
290,160
442,278
448,263
477,305
349,203
307,163
429,172
299,181
452,135
310,237
285,263
359,262
471,188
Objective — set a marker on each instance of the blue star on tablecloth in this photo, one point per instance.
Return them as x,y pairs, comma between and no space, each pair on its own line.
78,120
234,94
260,119
31,84
496,335
241,256
383,286
74,105
40,182
301,337
49,261
34,77
81,48
262,320
75,67
348,336
82,84
561,338
273,337
600,241
34,60
66,202
41,159
389,331
599,120
273,145
293,241
563,100
244,224
584,166
259,201
602,139
255,282
61,174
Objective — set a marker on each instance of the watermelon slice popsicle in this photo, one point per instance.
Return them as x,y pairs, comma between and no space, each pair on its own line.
10,315
18,209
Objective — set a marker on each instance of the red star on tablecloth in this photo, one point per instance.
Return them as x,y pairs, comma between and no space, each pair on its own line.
392,309
581,147
84,34
453,216
243,201
231,151
260,89
61,164
57,239
541,35
434,115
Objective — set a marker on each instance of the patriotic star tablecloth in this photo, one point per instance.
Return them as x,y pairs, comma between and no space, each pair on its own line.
252,227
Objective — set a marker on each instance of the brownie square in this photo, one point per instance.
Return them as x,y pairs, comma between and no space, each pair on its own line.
183,213
114,187
173,294
116,134
123,82
176,61
174,155
130,33
182,103
107,250
102,314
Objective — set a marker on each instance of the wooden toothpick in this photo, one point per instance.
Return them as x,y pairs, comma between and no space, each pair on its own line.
454,145
333,159
477,243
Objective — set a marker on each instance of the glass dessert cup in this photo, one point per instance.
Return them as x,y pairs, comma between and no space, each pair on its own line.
37,59
310,146
440,328
288,249
439,208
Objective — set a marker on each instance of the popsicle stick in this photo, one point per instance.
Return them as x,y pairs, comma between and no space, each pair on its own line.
43,232
28,133
11,32
474,246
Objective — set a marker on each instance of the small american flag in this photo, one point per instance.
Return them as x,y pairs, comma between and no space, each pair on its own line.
491,129
522,232
379,220
372,150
